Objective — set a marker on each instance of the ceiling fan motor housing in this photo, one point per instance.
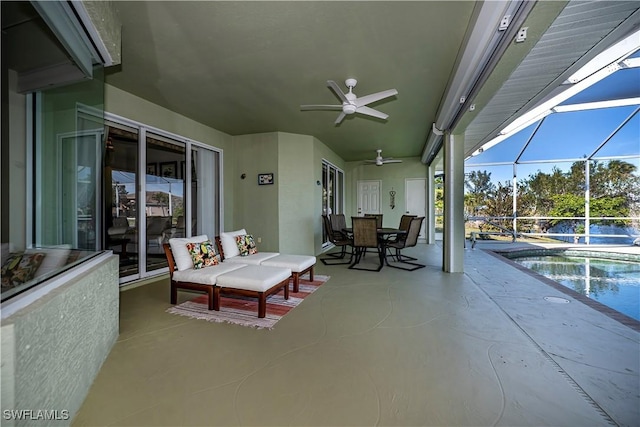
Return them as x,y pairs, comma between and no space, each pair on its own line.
348,108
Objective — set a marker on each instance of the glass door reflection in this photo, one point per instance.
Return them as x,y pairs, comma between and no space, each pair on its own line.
164,198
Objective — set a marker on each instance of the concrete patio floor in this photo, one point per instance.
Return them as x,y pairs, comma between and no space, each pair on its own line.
393,348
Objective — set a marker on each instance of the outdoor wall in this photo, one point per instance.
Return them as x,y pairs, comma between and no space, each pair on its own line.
392,175
256,206
126,105
296,192
53,348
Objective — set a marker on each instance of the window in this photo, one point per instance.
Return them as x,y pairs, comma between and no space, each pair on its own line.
332,192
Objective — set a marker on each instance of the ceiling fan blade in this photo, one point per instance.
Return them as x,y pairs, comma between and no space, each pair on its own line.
391,161
340,117
321,107
371,112
334,86
368,99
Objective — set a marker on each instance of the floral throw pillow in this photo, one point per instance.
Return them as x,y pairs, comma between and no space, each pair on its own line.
246,245
203,254
19,269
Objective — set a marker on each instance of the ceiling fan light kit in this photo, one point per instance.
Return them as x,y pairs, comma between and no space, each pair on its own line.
379,160
351,104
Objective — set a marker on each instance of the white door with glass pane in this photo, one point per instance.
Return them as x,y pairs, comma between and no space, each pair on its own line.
416,201
369,197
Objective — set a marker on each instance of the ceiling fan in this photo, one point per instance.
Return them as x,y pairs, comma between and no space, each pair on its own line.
351,103
379,160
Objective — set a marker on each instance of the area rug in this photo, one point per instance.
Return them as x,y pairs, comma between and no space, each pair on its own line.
244,311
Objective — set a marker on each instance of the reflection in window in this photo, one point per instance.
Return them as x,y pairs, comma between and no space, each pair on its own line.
332,192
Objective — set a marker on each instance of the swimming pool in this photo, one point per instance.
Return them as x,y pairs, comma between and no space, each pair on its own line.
614,283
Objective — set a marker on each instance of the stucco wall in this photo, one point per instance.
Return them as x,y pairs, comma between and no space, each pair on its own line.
53,349
256,206
296,189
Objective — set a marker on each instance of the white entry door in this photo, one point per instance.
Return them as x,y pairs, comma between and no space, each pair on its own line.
416,200
369,197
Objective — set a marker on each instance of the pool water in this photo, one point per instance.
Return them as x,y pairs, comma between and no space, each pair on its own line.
615,284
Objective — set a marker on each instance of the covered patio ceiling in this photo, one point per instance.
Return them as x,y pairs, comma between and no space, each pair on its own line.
246,67
243,67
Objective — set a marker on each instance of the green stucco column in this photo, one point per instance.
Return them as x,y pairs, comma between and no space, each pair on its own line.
453,235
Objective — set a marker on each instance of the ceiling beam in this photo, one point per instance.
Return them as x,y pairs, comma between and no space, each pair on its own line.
480,54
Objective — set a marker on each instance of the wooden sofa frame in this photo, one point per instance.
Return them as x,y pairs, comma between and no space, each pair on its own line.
214,303
213,291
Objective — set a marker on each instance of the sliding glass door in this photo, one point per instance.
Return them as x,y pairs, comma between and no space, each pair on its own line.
157,186
164,196
332,192
120,198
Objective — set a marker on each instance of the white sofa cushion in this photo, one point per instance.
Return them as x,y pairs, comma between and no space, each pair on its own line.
296,263
207,275
181,254
253,278
255,259
228,242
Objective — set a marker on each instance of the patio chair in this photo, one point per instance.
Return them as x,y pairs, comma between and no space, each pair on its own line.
378,218
405,222
365,235
339,239
410,240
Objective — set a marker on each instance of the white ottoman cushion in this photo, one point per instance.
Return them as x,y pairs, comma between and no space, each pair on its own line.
255,259
207,275
253,278
296,263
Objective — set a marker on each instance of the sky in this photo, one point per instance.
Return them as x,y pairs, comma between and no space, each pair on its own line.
597,133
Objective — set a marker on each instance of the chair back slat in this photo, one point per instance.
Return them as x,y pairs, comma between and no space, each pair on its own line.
338,222
365,233
405,222
414,232
336,235
378,218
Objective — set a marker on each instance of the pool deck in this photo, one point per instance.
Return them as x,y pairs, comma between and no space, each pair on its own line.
597,348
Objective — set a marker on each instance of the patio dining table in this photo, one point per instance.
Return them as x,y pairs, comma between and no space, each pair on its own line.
384,235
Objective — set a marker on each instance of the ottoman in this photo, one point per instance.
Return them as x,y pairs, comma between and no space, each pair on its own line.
298,264
253,281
